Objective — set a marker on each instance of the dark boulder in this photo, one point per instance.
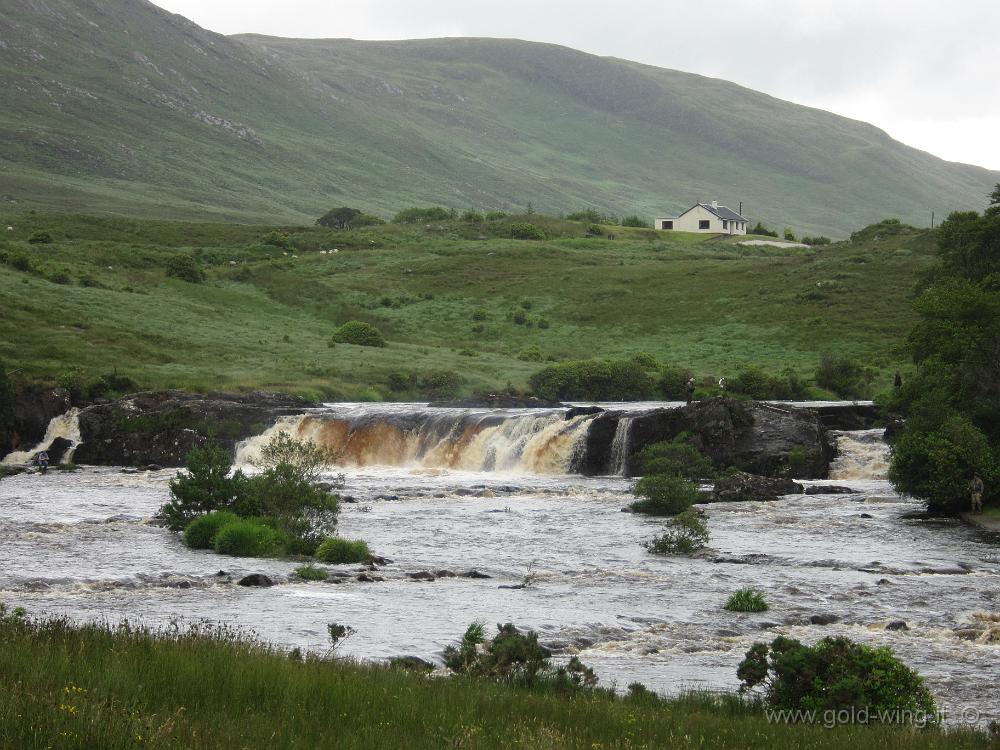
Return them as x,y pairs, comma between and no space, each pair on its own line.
57,449
897,625
473,574
742,487
830,489
848,416
825,619
754,436
255,579
422,575
161,427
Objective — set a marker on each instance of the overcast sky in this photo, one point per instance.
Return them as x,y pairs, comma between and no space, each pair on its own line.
926,71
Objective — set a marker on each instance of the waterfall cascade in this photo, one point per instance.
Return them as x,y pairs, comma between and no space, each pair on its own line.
861,455
534,443
66,426
618,462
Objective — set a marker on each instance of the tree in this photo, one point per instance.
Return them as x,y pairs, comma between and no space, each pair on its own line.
994,199
339,218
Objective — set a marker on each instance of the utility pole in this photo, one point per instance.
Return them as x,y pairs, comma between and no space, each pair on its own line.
932,219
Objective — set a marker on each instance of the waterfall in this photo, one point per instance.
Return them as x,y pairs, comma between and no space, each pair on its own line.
860,455
460,440
65,426
618,460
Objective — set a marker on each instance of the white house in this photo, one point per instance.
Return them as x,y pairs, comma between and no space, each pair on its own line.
705,217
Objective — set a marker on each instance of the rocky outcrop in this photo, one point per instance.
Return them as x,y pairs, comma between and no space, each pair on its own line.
742,487
848,416
161,427
34,408
760,438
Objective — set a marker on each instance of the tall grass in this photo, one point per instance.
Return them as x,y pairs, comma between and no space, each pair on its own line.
100,687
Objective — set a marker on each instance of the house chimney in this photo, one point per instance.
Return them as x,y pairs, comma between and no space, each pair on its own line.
715,204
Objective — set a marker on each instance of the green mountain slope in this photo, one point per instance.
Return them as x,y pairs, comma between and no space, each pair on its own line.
116,105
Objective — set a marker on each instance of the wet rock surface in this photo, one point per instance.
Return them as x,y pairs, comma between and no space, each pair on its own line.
161,427
742,487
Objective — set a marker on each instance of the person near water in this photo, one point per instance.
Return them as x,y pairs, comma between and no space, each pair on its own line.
722,384
690,390
976,490
42,459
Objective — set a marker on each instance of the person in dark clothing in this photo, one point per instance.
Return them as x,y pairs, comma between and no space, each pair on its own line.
690,390
976,490
897,382
42,459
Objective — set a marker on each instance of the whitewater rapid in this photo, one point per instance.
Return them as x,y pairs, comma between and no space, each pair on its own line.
81,544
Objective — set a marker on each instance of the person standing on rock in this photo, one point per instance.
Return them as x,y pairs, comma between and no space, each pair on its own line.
976,490
42,460
690,390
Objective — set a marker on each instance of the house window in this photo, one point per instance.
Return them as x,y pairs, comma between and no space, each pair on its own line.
667,225
725,224
703,224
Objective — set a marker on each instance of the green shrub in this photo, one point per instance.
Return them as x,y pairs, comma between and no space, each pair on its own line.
531,354
311,573
763,231
821,240
687,534
201,532
339,218
276,239
248,537
673,382
636,221
303,512
676,458
755,383
837,675
205,487
938,464
422,215
473,217
359,333
40,238
515,658
495,215
335,551
61,276
746,600
74,380
522,230
479,314
789,235
21,261
592,216
845,377
595,230
593,380
543,323
645,359
664,495
185,268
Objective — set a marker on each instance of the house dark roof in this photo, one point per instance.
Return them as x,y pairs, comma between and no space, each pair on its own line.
721,211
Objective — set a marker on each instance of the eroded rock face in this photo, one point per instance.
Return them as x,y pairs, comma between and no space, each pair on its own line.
161,427
760,438
34,408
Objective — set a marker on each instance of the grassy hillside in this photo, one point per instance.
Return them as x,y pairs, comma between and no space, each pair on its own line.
450,297
121,107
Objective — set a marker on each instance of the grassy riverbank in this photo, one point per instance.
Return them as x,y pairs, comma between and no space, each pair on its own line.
90,687
451,298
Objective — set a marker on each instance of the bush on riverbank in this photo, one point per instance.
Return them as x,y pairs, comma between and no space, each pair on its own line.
359,333
516,658
837,675
755,383
249,537
201,532
663,495
593,380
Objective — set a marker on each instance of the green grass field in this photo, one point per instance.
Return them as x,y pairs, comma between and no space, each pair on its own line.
448,297
93,687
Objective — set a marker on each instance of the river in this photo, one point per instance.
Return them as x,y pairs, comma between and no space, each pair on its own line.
489,490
